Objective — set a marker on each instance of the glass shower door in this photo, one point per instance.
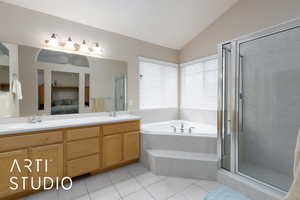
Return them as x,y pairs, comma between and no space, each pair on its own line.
269,106
225,117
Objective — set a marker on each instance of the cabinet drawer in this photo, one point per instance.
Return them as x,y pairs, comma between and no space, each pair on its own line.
82,133
121,127
83,165
23,141
82,148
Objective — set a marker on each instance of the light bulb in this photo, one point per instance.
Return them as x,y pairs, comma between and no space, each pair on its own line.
69,44
84,47
97,49
53,41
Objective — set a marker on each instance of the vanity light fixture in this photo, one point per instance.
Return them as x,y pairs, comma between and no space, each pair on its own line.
53,40
71,47
97,49
69,44
84,47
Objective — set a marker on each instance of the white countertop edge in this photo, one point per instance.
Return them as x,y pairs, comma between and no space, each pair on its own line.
68,125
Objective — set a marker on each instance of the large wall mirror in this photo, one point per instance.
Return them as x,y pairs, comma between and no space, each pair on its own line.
57,83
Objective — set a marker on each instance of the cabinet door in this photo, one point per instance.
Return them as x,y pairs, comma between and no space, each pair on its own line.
131,146
53,155
112,150
6,161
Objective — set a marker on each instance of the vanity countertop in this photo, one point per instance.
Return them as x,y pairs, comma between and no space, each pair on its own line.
21,127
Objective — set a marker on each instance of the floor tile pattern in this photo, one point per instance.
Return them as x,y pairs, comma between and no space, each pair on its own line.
133,182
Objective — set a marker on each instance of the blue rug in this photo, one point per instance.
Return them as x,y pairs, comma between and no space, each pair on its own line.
225,193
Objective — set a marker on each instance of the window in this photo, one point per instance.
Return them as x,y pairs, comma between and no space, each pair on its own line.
158,84
199,84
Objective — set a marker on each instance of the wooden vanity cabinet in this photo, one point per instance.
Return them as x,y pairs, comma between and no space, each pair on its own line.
121,143
69,152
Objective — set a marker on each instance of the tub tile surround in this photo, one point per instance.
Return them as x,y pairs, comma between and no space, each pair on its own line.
183,164
180,154
156,115
167,114
180,143
199,115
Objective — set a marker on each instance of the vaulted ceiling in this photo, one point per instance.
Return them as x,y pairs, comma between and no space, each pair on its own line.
169,23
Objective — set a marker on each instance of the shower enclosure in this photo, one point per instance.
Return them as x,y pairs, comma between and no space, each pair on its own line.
259,104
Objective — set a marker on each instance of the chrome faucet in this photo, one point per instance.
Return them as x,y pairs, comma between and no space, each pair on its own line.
190,129
113,114
182,128
174,128
35,119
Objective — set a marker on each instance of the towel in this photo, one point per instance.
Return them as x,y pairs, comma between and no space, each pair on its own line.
16,89
225,193
99,105
294,193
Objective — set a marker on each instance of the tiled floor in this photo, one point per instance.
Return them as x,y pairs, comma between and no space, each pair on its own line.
133,182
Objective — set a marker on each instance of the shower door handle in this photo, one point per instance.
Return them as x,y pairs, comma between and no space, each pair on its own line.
241,94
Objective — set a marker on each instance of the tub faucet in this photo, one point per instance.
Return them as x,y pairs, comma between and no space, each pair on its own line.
190,129
113,114
35,119
182,127
174,128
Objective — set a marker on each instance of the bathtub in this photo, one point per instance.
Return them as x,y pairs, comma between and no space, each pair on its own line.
180,128
171,148
162,136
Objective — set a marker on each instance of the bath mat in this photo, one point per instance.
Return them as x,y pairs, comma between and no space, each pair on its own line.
225,193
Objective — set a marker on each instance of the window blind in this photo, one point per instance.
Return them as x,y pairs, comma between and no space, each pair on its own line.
199,85
158,85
